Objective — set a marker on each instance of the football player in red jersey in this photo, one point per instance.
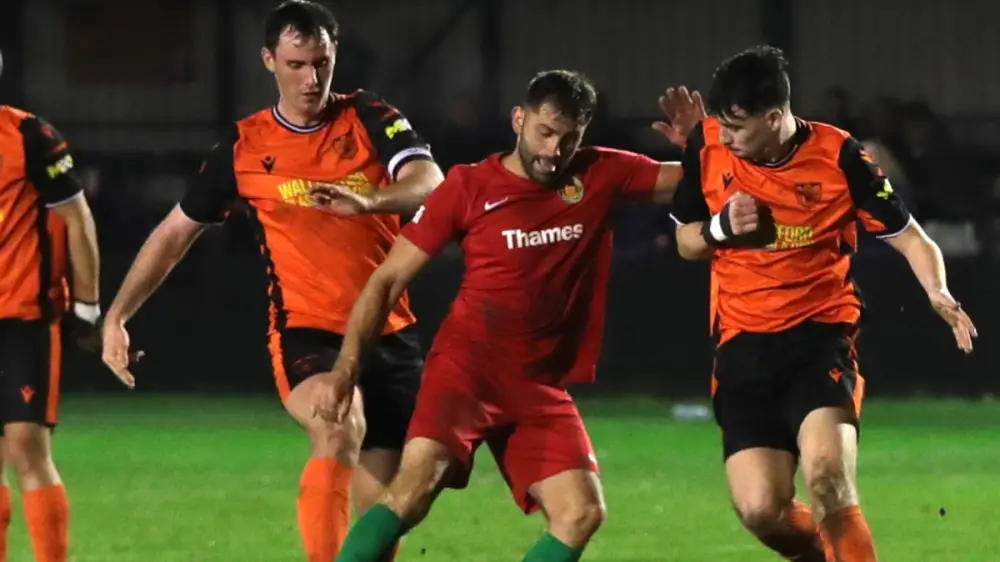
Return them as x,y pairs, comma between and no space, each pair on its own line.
535,228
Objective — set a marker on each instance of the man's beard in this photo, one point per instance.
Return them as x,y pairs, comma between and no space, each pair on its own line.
528,163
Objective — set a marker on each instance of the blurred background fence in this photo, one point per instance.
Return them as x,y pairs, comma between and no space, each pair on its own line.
141,89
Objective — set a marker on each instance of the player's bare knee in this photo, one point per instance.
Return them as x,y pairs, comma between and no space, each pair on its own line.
27,449
830,484
339,440
342,440
576,523
761,516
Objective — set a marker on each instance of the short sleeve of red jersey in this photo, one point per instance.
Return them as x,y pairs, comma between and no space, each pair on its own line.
880,210
214,189
635,174
689,200
441,218
48,162
395,140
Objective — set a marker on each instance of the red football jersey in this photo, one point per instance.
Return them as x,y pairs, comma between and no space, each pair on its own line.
531,303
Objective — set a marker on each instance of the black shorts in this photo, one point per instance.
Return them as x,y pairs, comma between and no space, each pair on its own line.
30,367
388,384
766,384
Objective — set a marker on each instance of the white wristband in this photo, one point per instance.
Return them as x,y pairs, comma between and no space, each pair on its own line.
715,229
87,312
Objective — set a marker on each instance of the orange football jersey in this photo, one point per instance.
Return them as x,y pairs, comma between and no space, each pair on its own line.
818,195
35,175
316,263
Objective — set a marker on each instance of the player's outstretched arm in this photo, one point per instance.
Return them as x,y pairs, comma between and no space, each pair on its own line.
164,248
883,213
332,397
206,203
928,266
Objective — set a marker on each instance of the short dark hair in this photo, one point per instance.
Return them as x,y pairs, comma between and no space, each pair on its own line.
755,80
310,19
569,91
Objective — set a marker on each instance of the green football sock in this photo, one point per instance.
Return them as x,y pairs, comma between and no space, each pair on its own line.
372,536
550,549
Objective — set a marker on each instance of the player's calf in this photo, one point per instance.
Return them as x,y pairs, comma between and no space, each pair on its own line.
422,472
761,481
828,443
375,472
46,506
324,501
573,502
420,479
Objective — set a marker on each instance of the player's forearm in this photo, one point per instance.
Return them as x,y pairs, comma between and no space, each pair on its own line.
691,245
924,256
368,318
408,193
84,258
157,258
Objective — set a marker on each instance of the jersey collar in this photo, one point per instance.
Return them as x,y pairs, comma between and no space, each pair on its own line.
281,120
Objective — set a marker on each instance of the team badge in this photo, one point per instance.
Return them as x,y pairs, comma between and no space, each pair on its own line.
573,192
808,194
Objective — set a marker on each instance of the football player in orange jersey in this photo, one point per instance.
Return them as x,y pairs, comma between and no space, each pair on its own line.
775,203
275,160
47,237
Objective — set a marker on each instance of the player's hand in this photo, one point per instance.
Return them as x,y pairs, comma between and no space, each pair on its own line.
115,353
340,200
744,213
951,310
332,396
683,111
82,326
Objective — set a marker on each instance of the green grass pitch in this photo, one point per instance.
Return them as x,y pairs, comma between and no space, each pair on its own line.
206,479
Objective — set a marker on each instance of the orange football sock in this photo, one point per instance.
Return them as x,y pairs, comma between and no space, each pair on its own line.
850,539
800,540
4,520
46,511
324,508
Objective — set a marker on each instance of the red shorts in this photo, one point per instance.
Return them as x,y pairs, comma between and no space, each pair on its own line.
533,430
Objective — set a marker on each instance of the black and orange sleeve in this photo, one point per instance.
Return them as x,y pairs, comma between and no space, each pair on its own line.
48,162
394,138
879,208
214,189
689,201
441,219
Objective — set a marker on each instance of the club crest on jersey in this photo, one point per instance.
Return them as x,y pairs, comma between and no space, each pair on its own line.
573,192
808,194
